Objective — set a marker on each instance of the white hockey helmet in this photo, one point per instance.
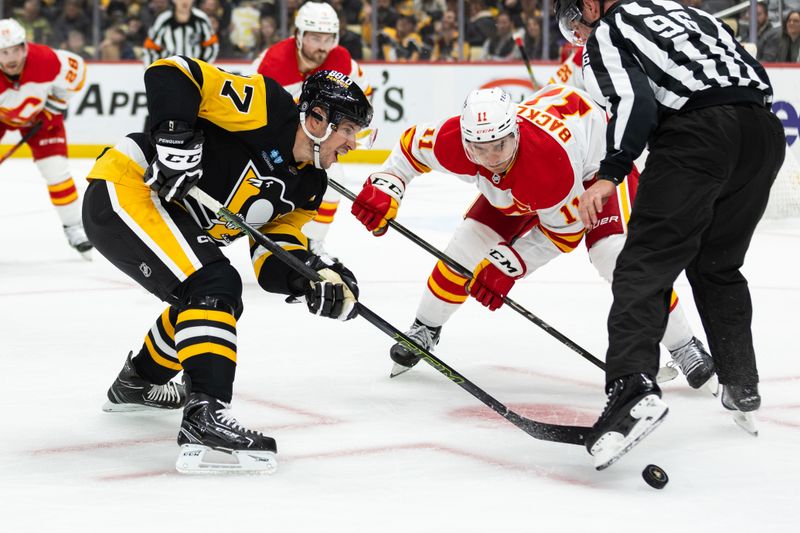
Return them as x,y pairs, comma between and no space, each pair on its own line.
11,33
489,115
317,17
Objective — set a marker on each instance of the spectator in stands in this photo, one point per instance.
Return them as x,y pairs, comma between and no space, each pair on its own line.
445,39
222,9
152,10
401,43
350,39
480,26
533,41
76,43
387,14
37,27
715,6
514,10
768,38
244,28
115,13
267,34
114,47
434,8
226,48
789,48
501,46
71,18
135,32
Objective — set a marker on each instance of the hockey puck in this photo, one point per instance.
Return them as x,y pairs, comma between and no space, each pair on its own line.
655,476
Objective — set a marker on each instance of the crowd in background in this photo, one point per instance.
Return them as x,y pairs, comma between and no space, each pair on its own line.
408,30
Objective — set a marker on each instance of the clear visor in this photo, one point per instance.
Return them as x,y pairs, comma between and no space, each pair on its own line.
497,155
573,27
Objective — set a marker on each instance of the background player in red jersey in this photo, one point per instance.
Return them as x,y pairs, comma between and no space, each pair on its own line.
530,163
35,84
314,47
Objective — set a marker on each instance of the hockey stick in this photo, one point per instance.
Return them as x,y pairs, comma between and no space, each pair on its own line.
465,272
30,133
539,430
526,59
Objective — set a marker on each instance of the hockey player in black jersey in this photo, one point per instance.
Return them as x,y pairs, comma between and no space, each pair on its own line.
674,78
243,141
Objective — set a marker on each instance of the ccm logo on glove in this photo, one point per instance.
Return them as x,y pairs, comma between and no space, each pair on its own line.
378,201
495,275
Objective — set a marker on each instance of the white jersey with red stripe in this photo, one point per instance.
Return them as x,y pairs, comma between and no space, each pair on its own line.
279,62
562,140
48,79
570,72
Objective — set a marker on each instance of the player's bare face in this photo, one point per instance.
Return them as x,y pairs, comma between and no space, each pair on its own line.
341,141
12,59
495,156
317,46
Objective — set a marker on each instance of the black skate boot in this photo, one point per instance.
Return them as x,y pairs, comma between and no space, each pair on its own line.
208,425
404,355
634,409
696,364
131,392
744,401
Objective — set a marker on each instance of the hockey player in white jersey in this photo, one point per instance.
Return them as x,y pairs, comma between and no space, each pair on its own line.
35,84
530,163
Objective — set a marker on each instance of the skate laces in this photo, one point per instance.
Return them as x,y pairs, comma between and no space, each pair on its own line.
690,357
167,393
224,416
422,334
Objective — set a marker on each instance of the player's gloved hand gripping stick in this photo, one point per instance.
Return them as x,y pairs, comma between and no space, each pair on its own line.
539,430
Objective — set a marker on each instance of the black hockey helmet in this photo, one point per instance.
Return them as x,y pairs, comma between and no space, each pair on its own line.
338,95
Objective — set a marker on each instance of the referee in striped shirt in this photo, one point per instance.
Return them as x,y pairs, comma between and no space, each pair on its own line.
183,30
674,78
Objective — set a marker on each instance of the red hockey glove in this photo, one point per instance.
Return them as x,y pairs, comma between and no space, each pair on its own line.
495,275
378,201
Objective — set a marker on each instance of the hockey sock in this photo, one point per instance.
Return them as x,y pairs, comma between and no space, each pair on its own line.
206,345
157,360
446,285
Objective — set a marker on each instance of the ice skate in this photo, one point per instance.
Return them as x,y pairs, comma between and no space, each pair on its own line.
77,239
405,355
744,401
131,392
697,365
208,427
633,410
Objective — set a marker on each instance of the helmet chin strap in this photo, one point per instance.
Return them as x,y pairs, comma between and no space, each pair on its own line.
317,140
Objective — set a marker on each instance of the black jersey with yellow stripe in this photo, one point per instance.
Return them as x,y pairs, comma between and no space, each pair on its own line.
249,124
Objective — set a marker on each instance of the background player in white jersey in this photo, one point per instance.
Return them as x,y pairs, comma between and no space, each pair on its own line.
35,84
314,47
530,163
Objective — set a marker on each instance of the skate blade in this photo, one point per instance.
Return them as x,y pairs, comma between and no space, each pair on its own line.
110,407
746,421
712,386
666,373
398,369
191,460
650,411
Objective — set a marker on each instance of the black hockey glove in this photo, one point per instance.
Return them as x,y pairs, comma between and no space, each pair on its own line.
335,295
176,168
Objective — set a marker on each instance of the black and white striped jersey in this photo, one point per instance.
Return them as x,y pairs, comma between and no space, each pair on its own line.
648,58
168,37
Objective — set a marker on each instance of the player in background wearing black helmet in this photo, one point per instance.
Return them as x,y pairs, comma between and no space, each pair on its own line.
243,141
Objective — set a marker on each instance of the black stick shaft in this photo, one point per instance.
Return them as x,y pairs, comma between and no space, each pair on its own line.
30,133
465,272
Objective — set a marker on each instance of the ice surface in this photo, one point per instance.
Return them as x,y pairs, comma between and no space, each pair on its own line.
360,452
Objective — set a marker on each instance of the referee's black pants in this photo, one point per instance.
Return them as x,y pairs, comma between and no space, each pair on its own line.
704,188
